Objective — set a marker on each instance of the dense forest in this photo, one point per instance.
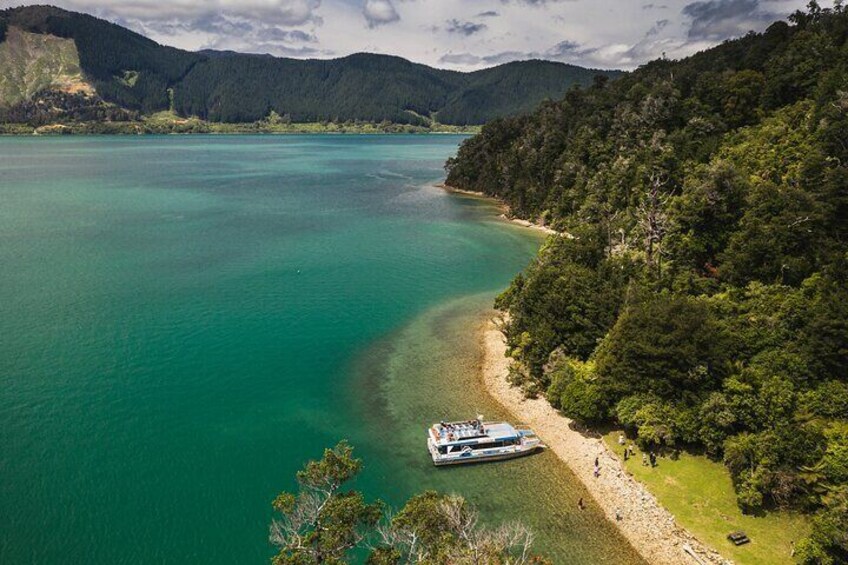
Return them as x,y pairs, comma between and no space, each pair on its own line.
698,294
239,88
138,74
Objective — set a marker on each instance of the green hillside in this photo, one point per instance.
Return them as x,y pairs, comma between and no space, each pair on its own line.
138,74
238,88
700,298
503,90
107,52
30,63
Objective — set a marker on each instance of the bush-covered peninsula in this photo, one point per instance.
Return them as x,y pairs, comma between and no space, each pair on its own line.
699,294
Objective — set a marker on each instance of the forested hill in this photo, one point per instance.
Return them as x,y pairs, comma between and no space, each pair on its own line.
700,299
140,75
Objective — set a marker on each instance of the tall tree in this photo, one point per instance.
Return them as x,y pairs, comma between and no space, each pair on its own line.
321,523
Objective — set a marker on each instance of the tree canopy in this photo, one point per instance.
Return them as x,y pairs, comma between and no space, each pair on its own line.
323,523
698,295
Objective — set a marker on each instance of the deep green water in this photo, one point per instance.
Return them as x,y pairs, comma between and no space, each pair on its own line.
185,320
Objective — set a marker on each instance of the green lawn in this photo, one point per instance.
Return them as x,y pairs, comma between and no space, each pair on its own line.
699,493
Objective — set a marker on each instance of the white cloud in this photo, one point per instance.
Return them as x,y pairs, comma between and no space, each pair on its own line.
379,12
459,34
283,12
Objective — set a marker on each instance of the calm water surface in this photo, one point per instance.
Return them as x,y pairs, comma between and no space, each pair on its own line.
185,320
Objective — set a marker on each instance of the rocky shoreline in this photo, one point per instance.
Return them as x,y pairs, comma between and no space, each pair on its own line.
647,525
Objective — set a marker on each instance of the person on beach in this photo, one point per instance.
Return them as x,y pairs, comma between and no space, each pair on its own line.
597,462
597,471
617,515
644,460
626,453
620,439
580,504
632,449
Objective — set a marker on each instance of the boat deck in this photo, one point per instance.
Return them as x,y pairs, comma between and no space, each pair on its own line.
447,433
470,441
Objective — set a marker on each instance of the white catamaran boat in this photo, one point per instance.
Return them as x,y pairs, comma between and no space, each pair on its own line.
472,441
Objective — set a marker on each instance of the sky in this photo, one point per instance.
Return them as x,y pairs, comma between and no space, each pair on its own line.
454,34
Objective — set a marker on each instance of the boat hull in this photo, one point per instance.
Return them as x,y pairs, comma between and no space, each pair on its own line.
471,460
484,459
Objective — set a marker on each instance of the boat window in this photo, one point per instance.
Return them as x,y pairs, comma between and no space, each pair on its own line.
453,449
488,445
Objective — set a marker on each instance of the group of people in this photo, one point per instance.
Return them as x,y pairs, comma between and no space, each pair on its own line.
649,458
450,430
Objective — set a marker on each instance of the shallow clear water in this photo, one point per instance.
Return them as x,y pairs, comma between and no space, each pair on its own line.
185,320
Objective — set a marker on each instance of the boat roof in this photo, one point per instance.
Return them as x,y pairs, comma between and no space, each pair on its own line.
501,430
494,431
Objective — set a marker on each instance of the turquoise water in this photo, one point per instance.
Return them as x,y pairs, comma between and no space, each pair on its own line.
185,320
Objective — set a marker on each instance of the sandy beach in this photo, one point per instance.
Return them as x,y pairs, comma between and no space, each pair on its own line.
648,526
505,215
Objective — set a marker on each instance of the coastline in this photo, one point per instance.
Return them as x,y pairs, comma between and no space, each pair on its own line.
198,127
504,209
647,525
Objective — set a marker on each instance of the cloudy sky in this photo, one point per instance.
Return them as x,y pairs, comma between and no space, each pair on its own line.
457,34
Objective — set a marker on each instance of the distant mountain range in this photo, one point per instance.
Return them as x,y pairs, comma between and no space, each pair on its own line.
75,57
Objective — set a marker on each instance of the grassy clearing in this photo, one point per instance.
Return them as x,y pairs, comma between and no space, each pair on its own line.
699,493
